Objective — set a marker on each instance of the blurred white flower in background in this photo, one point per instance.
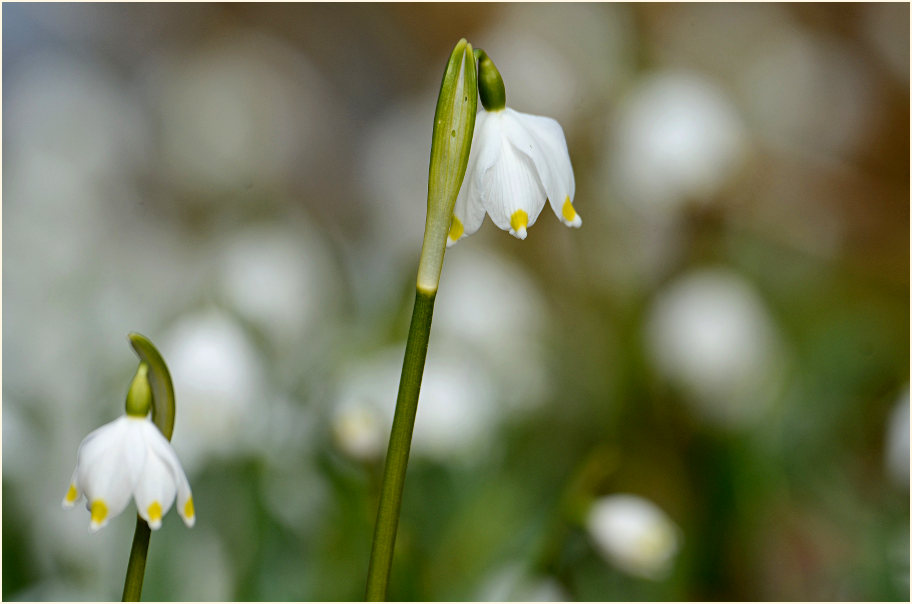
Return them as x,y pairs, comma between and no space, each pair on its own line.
494,309
897,446
485,362
709,333
457,411
677,139
457,407
514,583
359,424
218,383
364,402
634,534
279,278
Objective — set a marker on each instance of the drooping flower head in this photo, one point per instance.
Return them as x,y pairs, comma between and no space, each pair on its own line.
126,458
517,162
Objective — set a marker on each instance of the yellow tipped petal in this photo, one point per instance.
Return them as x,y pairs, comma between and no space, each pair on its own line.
456,229
71,496
518,222
568,212
188,508
155,513
571,218
99,513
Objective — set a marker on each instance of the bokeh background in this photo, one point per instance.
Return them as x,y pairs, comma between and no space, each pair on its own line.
703,393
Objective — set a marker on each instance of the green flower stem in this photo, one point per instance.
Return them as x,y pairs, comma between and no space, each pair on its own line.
163,410
399,444
136,567
454,123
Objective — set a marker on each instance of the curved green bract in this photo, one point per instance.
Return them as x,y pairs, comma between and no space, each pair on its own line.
163,408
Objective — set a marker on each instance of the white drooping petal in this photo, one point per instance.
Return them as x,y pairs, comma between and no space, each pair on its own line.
469,210
163,450
156,488
87,452
512,193
542,139
507,181
108,466
486,142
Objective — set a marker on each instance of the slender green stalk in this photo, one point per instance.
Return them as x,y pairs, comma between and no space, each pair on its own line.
399,445
454,123
136,567
163,411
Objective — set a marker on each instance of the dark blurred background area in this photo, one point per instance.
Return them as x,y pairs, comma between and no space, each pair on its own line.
703,393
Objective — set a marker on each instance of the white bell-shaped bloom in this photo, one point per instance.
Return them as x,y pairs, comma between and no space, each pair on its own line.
516,163
124,458
634,534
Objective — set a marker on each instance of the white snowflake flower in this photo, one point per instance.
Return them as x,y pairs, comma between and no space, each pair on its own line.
130,457
516,163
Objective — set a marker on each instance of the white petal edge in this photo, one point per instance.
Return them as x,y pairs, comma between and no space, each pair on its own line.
542,139
469,210
68,501
510,185
163,449
156,487
109,466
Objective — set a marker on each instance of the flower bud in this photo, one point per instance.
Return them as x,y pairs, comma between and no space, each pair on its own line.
490,84
139,397
454,123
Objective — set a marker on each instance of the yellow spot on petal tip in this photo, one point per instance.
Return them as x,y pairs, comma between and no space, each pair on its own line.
99,512
569,213
72,494
518,222
154,512
456,229
188,508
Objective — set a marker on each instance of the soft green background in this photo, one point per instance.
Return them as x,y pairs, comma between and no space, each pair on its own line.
245,184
